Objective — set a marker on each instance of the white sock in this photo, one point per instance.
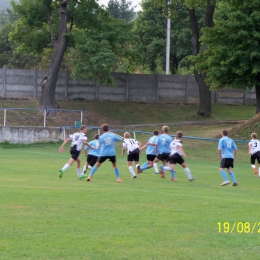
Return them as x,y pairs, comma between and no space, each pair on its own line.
65,167
155,166
253,166
84,168
89,167
131,170
167,168
136,166
79,172
188,173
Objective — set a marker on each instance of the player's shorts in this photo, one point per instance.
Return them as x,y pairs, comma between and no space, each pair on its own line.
163,156
74,152
176,158
133,157
255,156
227,163
92,159
150,157
112,159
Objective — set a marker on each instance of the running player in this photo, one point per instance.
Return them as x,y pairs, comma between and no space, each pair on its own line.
107,151
254,152
133,150
77,139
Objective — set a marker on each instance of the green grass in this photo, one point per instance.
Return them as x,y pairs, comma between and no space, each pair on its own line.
44,217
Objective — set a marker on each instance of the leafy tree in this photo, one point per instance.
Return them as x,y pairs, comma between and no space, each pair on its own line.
232,57
79,27
121,9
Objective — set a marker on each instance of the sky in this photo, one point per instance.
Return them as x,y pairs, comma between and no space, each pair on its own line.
134,2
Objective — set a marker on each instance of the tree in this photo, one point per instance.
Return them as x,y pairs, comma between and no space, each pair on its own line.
64,26
232,57
121,9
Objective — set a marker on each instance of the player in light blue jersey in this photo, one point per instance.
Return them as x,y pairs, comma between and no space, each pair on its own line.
151,152
227,152
107,151
92,155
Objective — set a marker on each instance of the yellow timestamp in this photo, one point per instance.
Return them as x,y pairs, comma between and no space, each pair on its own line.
238,227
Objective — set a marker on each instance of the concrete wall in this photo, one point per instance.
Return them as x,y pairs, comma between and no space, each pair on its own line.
16,83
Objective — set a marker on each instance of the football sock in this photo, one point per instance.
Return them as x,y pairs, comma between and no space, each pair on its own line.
89,167
188,173
144,165
79,172
155,166
172,173
232,175
84,168
166,168
137,165
116,172
253,166
131,170
65,167
93,170
224,175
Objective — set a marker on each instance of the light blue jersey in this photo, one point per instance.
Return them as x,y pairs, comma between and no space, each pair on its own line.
107,147
227,146
96,146
150,148
164,141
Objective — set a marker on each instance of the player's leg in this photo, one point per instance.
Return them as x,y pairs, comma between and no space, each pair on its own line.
231,173
136,160
130,168
187,171
223,172
116,169
95,167
80,174
252,158
66,167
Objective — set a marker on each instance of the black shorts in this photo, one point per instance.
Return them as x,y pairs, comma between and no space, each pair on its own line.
133,157
255,156
92,159
163,156
150,157
74,152
227,163
112,159
176,158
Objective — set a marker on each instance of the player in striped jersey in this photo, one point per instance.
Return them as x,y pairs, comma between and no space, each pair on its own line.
133,150
77,139
254,151
176,157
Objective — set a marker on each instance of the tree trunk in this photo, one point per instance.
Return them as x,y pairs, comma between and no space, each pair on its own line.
204,92
59,45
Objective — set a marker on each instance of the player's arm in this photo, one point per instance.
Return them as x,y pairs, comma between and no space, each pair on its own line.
143,147
182,151
123,150
219,153
64,143
249,148
87,144
235,153
86,152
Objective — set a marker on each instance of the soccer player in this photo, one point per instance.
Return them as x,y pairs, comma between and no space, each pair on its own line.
92,155
151,152
254,152
77,139
107,151
176,157
227,152
133,150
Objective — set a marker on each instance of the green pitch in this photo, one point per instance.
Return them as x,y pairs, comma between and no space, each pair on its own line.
44,217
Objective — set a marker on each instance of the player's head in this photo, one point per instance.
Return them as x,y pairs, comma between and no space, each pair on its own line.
126,135
165,129
96,136
179,134
105,127
83,129
225,132
156,132
254,135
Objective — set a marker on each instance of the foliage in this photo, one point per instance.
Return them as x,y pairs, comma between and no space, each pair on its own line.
121,9
232,56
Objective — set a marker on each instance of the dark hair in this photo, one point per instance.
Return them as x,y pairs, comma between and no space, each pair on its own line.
225,132
179,134
155,132
105,127
96,136
82,127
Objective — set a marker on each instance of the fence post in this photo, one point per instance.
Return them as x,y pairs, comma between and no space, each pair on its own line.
186,91
35,82
157,88
4,116
4,81
127,87
44,118
66,83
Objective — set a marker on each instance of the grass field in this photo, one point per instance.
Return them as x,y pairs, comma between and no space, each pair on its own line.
44,217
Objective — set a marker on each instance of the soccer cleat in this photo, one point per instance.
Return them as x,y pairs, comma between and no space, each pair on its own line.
192,179
134,177
224,183
61,173
118,180
88,179
162,172
139,169
234,184
255,170
173,179
82,177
